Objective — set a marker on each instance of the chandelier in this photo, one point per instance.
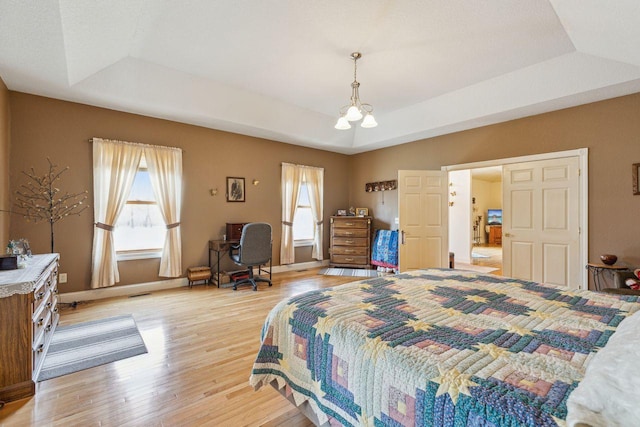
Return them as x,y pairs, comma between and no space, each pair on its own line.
356,109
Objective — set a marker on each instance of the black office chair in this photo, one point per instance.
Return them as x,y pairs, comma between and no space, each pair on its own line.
254,250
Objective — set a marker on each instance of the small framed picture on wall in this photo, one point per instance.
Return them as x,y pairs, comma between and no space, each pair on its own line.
235,189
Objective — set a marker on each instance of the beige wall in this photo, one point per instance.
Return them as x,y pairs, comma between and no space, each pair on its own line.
609,129
5,204
44,127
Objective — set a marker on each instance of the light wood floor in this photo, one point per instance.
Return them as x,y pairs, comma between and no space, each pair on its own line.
494,257
202,343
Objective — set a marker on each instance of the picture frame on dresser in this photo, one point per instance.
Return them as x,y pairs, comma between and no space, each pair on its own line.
235,189
362,211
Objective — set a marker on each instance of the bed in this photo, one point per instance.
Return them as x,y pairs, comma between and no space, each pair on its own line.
437,347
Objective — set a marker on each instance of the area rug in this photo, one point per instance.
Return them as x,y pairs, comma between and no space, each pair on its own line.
350,272
86,345
477,255
472,267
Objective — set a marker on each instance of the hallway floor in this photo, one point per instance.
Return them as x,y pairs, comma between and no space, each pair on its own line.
488,256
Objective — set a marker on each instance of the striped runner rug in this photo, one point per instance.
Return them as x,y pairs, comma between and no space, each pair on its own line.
350,272
89,344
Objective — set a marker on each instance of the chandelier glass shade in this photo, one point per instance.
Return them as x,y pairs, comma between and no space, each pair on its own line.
356,109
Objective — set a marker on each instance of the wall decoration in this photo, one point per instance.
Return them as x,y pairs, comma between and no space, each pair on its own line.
381,186
235,189
635,173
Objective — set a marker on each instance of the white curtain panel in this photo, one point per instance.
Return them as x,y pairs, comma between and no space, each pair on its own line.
165,172
115,165
291,179
314,178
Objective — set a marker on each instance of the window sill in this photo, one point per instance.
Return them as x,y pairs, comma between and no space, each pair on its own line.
134,255
301,243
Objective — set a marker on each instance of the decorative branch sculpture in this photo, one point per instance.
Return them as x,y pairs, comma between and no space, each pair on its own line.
39,199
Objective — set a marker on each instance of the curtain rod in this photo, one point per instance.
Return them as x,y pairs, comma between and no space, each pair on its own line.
303,166
138,143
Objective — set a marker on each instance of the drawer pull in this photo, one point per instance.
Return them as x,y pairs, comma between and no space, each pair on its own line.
40,348
40,321
349,241
349,251
349,233
349,224
348,259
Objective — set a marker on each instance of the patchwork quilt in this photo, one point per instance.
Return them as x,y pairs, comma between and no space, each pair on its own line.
437,348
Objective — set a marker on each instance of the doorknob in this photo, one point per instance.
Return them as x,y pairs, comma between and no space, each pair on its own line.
402,237
508,235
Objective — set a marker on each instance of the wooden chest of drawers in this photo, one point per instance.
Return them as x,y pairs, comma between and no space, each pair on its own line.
28,318
350,241
234,231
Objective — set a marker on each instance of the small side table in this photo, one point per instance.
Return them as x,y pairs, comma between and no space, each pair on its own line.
597,271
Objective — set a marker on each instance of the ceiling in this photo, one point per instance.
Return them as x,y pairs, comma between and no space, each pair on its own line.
281,69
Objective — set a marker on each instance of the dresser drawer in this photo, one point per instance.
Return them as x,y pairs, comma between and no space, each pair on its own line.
350,232
351,223
350,241
349,259
350,250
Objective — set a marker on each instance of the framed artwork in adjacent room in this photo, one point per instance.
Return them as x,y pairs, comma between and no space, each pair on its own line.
235,189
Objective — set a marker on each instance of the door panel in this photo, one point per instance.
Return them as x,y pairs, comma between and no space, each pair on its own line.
555,209
522,207
541,221
522,260
555,263
422,213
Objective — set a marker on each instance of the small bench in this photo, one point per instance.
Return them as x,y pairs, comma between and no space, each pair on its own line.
198,273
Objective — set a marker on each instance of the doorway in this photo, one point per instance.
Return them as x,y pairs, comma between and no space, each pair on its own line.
544,233
475,218
486,217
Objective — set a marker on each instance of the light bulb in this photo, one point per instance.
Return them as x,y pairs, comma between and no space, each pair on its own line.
369,121
353,114
342,124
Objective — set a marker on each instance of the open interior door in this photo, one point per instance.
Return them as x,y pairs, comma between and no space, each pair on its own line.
541,230
422,213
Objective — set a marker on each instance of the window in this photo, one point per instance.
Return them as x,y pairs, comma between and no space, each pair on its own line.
140,230
303,226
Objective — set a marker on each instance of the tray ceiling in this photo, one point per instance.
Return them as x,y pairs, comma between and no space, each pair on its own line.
281,69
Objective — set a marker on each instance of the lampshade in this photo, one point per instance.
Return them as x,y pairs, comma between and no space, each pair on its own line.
343,123
369,121
353,114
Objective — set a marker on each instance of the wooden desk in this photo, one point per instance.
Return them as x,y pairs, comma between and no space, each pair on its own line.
220,247
597,271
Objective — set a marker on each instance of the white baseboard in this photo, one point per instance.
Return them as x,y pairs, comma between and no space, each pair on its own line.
140,288
118,291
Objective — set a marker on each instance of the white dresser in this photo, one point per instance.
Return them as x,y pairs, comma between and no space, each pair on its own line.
28,317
